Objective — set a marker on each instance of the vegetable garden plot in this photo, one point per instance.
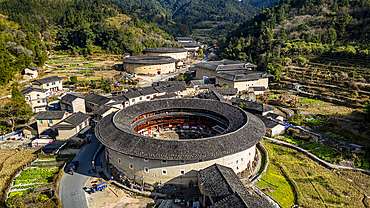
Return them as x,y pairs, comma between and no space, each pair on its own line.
31,177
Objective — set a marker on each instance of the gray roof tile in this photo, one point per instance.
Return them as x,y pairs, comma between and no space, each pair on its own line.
97,99
243,75
50,115
47,80
115,131
73,120
31,89
165,50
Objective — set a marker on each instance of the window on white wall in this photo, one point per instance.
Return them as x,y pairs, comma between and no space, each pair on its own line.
164,161
164,172
182,172
131,166
146,160
182,161
119,161
146,170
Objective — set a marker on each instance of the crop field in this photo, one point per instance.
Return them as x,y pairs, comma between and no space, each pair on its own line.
10,161
346,79
312,184
31,186
32,177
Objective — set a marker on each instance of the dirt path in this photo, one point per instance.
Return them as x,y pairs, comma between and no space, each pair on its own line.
115,197
317,159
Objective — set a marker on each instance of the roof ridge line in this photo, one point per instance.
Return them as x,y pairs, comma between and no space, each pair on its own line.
238,194
222,175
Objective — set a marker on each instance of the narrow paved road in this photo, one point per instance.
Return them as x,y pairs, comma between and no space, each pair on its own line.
71,191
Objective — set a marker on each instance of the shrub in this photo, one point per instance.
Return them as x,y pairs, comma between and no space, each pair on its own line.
73,79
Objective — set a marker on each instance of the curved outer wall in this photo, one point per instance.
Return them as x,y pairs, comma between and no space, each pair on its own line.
178,55
149,69
235,148
238,162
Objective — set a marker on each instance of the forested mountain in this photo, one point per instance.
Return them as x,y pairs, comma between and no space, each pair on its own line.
339,28
18,49
29,28
198,14
260,3
198,10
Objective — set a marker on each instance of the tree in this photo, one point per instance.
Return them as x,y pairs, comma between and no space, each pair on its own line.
184,30
335,6
42,59
16,109
73,79
332,35
275,70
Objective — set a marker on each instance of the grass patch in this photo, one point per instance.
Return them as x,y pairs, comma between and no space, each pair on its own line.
325,153
50,161
307,100
273,96
310,145
281,190
314,185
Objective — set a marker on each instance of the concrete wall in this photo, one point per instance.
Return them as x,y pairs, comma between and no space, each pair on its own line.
76,106
79,105
66,133
200,72
277,130
135,100
149,69
244,85
175,168
29,71
37,101
45,124
178,56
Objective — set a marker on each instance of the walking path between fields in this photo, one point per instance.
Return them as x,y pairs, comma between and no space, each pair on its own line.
315,158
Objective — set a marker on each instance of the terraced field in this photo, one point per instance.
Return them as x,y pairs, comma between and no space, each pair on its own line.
313,185
10,161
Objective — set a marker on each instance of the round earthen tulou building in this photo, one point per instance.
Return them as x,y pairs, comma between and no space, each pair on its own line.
149,65
173,52
169,140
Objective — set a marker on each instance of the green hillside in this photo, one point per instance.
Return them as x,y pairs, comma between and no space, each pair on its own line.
18,49
75,26
331,28
198,17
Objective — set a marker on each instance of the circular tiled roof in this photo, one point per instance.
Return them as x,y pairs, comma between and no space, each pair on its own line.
165,50
149,60
116,131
